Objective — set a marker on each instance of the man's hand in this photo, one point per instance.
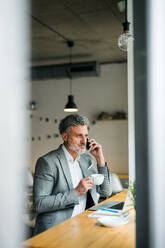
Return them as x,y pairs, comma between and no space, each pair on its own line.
96,151
84,185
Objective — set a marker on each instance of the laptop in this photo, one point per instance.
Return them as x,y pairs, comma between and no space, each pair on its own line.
118,205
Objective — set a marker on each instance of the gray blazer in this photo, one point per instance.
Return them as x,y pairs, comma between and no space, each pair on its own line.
54,195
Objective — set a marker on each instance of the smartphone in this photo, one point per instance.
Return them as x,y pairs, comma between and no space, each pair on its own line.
87,144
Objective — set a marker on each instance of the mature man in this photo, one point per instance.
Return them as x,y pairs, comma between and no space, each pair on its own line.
63,187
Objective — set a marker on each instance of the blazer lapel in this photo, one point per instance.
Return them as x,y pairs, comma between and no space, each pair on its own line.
84,167
65,167
86,173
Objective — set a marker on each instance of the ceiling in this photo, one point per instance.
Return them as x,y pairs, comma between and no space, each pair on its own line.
93,25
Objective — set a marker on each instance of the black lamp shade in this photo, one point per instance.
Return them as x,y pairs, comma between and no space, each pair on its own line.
70,106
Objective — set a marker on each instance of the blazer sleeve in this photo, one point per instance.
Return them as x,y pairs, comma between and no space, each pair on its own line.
44,181
105,189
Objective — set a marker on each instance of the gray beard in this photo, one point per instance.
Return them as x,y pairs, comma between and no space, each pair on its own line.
79,152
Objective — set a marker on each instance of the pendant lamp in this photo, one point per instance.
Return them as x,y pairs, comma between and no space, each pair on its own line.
125,38
70,106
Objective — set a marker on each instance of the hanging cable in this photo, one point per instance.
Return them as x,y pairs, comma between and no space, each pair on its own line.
70,106
70,44
126,11
51,29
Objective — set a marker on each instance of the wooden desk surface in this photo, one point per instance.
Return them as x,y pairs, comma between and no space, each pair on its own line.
123,176
84,232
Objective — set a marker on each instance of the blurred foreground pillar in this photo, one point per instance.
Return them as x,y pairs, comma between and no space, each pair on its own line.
149,54
14,128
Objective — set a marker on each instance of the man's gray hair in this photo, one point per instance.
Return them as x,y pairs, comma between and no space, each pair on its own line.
72,120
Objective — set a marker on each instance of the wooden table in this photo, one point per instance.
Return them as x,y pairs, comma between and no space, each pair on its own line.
84,232
123,176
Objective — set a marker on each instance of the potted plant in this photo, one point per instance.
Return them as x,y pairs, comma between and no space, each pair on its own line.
132,190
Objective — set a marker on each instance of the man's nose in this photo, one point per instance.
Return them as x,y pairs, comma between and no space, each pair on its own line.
83,140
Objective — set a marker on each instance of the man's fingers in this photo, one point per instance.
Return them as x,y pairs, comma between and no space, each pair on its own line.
87,178
92,141
84,185
87,181
96,146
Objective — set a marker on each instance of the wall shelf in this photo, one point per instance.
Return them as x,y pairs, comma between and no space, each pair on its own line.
111,120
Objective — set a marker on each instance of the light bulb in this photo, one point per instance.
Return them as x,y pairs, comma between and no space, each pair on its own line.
70,110
124,41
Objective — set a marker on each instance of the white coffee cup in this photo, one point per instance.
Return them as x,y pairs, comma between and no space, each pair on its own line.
97,178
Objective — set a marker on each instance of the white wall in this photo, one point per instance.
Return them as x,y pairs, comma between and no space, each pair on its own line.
92,95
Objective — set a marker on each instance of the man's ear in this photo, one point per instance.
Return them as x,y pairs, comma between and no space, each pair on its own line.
64,136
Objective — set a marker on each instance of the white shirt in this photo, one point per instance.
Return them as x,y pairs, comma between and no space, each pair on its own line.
76,175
